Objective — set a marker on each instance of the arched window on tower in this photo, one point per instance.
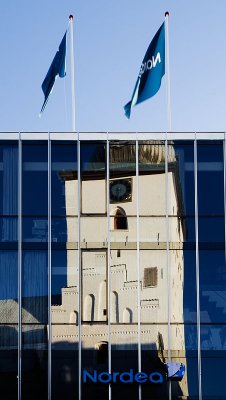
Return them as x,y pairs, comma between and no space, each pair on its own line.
88,313
127,316
114,312
73,318
119,219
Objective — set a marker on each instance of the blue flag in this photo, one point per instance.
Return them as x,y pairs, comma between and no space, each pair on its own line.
151,71
58,67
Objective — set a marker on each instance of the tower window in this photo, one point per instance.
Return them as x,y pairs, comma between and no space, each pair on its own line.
120,219
150,277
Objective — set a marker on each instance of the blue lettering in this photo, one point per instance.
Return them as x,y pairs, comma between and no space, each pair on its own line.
93,378
127,374
156,377
141,377
124,377
114,377
101,377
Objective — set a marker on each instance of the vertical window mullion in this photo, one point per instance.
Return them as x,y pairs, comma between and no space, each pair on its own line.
19,263
108,264
197,268
168,257
79,274
138,264
49,273
224,158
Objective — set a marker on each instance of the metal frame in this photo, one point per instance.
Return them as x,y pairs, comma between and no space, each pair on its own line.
19,264
49,272
79,274
224,158
87,136
108,265
168,256
138,266
197,268
102,136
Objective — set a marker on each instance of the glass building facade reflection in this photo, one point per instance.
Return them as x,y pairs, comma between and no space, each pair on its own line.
112,257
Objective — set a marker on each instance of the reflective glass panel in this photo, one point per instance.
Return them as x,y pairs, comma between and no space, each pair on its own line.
35,178
9,268
210,178
9,322
213,379
34,361
124,353
64,324
212,285
64,270
94,266
152,178
123,264
93,172
34,268
9,190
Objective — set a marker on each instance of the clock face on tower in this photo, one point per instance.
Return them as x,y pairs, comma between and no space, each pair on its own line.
120,190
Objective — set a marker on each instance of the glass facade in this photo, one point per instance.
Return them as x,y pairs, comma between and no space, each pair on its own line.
112,259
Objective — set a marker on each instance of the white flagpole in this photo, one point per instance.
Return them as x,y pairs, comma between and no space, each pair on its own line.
169,129
168,94
71,18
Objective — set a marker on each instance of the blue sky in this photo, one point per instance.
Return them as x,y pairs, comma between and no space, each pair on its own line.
111,38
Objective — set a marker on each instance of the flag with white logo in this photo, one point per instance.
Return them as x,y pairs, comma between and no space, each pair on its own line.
57,67
151,71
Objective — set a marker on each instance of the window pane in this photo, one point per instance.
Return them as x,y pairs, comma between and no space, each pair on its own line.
9,190
124,354
94,286
93,187
64,178
213,339
35,179
184,176
9,268
34,362
65,315
210,178
212,285
152,178
64,295
35,229
64,274
211,232
35,287
9,322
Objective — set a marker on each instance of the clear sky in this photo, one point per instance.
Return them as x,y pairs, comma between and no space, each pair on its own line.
111,38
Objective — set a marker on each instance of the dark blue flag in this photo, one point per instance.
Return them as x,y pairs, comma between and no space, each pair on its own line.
58,67
151,71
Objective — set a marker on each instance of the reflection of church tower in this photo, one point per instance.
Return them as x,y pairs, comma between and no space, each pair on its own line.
123,263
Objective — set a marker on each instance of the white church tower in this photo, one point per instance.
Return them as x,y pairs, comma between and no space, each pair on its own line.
154,281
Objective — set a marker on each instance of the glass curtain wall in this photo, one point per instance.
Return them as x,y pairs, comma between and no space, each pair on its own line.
211,223
124,280
64,270
34,269
9,268
153,263
182,259
94,262
119,265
